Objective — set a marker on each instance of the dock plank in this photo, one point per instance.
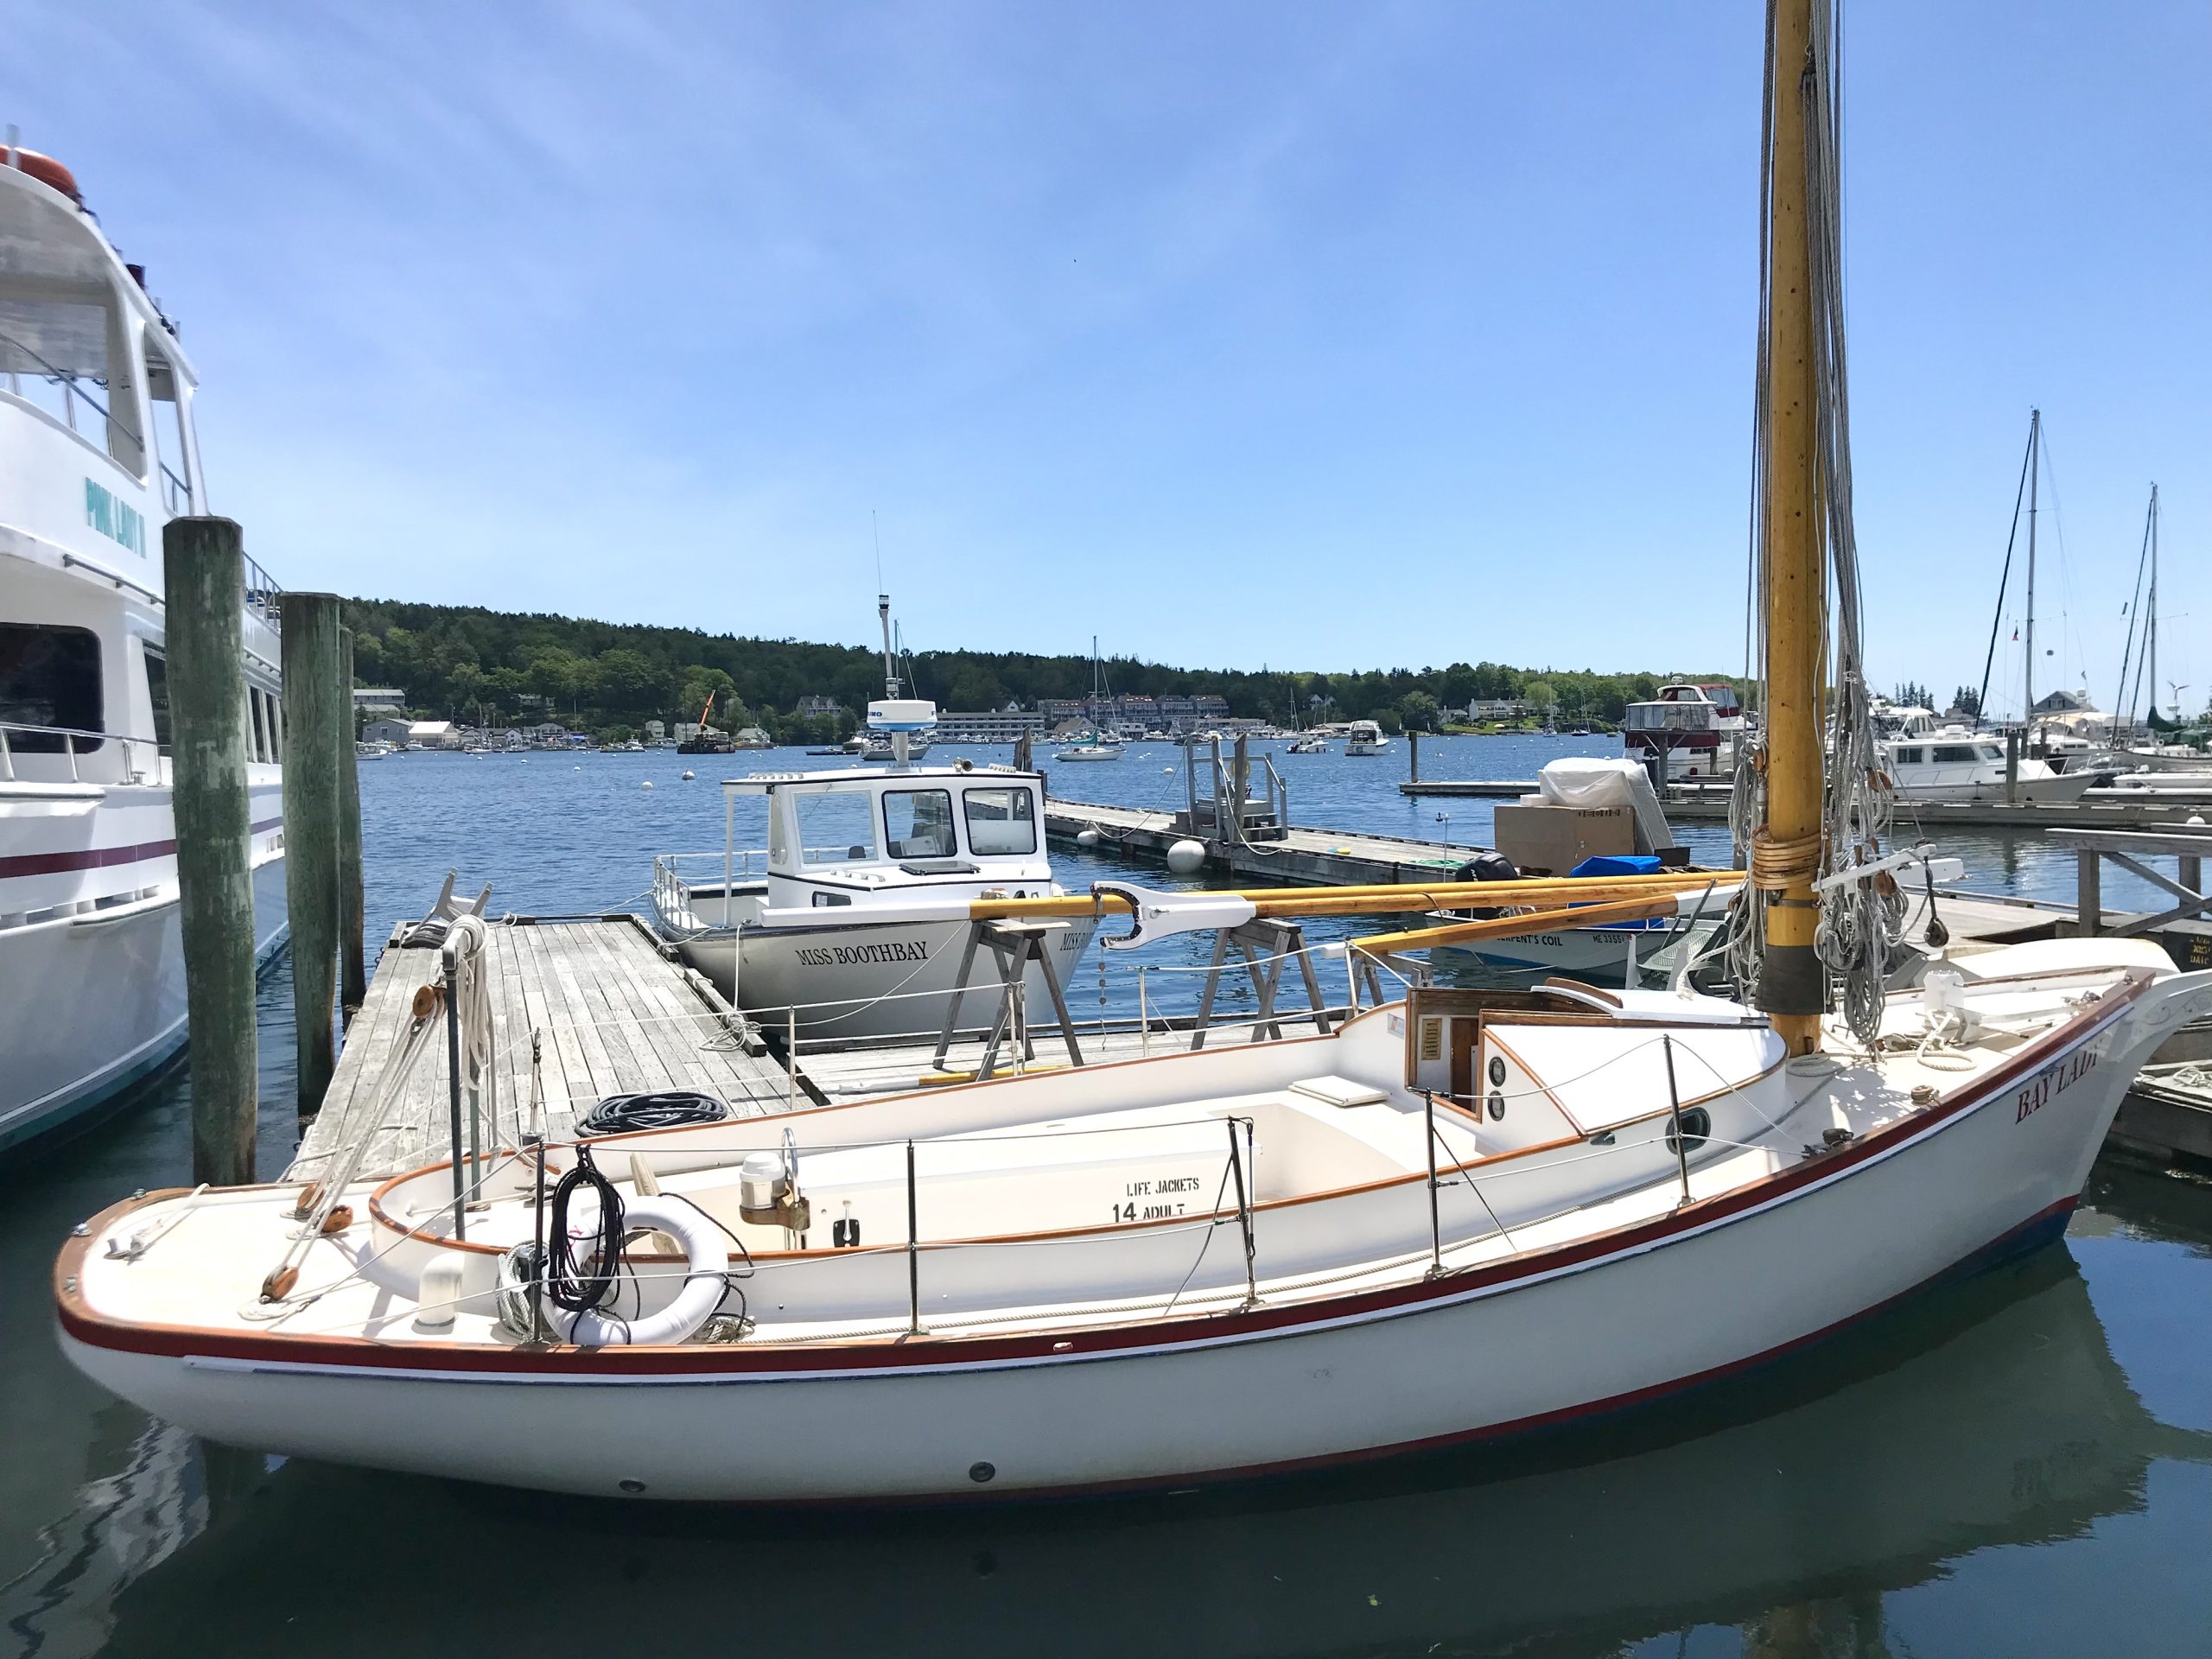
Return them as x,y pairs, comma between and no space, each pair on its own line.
613,1014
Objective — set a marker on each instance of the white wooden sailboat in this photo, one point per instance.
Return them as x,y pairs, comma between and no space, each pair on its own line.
1464,1215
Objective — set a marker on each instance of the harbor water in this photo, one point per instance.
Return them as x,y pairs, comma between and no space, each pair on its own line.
2021,1464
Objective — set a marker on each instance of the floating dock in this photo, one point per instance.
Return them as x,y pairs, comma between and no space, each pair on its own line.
2099,808
1325,857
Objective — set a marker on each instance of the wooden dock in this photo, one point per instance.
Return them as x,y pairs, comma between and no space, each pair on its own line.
1323,857
614,1016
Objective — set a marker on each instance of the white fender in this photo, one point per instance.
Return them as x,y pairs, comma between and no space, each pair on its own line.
706,1262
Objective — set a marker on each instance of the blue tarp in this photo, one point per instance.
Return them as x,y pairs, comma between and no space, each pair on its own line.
1634,864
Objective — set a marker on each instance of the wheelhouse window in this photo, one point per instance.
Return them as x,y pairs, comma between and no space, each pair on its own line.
918,822
1954,752
55,354
49,685
157,692
172,465
836,826
1001,822
1909,757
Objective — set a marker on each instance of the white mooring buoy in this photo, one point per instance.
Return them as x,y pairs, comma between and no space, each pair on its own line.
689,776
647,784
1187,857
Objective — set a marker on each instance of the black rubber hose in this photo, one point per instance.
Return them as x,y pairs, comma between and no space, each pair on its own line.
579,1286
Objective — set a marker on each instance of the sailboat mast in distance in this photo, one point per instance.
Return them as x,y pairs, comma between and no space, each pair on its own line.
2034,475
1785,856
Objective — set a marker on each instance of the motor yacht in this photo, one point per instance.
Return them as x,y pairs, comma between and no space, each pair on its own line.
98,451
1693,728
1364,737
1952,764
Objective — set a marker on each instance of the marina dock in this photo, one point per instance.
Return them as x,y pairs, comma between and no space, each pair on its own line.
614,1016
1325,857
2099,808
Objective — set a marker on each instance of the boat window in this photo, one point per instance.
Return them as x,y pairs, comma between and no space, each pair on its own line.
918,822
49,683
1697,1129
1909,757
157,692
836,826
262,746
1991,751
53,354
175,473
1000,821
1953,752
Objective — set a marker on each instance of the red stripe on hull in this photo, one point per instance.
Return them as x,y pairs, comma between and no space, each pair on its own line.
100,858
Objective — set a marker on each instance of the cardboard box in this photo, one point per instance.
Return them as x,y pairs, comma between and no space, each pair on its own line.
1546,840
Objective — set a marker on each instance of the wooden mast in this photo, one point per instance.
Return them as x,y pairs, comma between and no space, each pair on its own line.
1792,989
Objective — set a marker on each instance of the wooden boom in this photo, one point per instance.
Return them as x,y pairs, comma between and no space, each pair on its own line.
1386,901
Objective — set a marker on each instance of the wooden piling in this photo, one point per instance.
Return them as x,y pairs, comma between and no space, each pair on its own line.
314,724
1413,754
203,575
352,970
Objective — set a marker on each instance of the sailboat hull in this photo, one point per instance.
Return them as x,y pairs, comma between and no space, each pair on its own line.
1541,1338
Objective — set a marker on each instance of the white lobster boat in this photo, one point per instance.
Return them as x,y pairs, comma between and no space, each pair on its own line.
96,451
860,924
859,919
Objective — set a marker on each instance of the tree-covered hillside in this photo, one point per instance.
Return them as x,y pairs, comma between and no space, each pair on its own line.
494,667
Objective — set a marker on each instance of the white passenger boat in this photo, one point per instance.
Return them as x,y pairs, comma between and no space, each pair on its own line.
1365,737
1468,1214
97,452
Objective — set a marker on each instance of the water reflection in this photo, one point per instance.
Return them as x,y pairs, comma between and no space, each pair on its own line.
1991,1412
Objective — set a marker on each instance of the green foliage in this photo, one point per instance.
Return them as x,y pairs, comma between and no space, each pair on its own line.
1417,712
462,662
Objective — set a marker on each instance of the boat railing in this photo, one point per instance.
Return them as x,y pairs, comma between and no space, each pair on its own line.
76,742
676,875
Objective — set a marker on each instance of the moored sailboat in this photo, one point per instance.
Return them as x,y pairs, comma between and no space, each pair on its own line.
1463,1215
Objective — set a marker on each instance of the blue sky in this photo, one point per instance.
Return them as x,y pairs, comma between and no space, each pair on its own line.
1333,336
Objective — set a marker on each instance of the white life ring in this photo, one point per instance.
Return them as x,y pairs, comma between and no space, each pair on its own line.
704,1286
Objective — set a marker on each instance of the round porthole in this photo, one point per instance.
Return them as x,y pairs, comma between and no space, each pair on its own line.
980,1472
1496,1107
1497,1072
1697,1129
